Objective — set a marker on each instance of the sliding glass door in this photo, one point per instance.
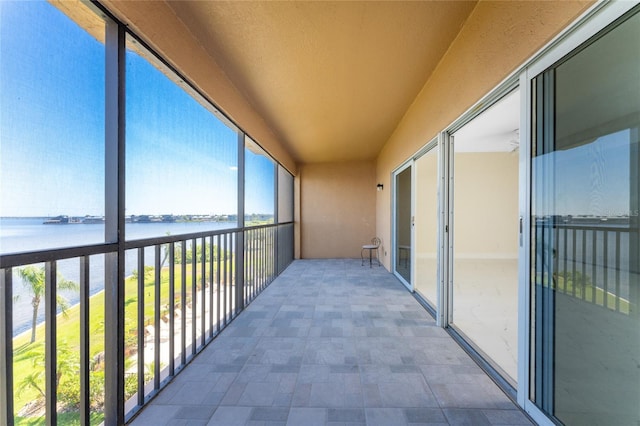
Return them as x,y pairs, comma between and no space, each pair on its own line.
403,224
585,232
416,223
485,233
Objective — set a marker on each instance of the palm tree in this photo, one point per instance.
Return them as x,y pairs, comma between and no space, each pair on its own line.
68,365
33,278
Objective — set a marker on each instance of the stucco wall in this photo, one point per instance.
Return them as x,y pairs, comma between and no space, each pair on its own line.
496,39
337,208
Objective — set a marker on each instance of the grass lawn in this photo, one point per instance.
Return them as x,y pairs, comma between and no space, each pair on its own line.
67,419
68,333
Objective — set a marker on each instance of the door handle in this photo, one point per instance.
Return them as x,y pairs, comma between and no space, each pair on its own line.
521,226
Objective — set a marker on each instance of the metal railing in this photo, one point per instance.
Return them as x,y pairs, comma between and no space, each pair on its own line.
179,293
590,262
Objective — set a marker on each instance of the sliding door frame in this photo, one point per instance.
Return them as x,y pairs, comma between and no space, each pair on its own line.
439,303
506,88
394,227
438,144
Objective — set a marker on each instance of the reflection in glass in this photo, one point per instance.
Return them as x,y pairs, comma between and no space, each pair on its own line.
585,233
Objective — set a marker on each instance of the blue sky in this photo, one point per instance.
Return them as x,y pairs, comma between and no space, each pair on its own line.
180,158
591,179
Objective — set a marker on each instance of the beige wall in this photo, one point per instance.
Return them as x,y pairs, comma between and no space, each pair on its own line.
337,208
496,39
486,205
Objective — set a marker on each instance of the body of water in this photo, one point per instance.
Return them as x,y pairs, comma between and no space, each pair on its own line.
30,234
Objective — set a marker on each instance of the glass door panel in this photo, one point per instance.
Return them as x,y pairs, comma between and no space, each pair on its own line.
486,233
585,233
403,219
426,226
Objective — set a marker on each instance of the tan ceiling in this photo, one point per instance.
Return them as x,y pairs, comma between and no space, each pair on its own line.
332,79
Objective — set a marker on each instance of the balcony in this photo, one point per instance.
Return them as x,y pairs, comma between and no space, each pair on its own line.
326,341
304,129
332,342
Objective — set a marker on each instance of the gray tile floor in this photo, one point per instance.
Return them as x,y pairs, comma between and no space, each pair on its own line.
331,342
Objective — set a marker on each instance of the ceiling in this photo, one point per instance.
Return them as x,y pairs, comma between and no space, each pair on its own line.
331,79
497,129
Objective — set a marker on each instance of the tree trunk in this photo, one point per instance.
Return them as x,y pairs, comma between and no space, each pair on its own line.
34,320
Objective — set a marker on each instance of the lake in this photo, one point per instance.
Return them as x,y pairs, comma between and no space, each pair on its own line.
30,234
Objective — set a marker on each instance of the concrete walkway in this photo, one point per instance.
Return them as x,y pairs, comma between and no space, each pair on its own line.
332,342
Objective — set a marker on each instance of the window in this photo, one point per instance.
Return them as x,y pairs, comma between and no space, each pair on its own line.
285,195
181,159
259,192
51,128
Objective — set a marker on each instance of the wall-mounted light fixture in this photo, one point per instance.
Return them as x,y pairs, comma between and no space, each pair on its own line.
380,187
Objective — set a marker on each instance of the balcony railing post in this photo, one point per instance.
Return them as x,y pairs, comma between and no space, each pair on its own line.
51,360
183,303
85,401
218,282
172,316
212,260
156,317
203,295
6,354
194,294
239,271
141,325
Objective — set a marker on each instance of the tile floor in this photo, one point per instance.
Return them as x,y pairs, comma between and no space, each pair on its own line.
331,342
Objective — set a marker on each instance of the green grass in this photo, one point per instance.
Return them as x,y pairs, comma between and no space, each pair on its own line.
588,292
585,290
68,328
67,419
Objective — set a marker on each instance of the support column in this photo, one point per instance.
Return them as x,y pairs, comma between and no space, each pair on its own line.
114,223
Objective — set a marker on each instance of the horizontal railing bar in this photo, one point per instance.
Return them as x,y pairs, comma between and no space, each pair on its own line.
147,242
607,228
26,258
12,260
268,225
